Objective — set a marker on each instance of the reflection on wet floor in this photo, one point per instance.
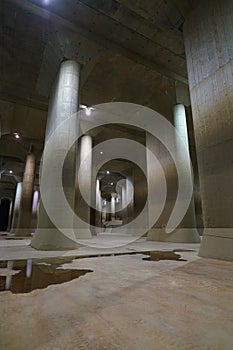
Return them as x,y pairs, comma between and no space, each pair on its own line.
23,276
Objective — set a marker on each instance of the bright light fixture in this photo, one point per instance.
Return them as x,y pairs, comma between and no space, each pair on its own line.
101,152
108,172
88,111
83,106
16,135
11,171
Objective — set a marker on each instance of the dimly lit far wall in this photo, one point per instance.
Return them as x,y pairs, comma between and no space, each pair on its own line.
209,52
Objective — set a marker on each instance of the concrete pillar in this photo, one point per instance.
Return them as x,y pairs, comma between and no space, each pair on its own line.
35,202
124,203
63,104
108,211
157,232
98,206
84,181
10,216
17,200
208,46
129,188
25,210
186,231
113,206
104,210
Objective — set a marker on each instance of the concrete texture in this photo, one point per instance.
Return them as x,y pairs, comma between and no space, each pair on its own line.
15,218
186,230
208,44
63,104
126,303
25,207
83,182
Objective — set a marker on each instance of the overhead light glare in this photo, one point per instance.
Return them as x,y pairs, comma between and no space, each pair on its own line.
88,111
83,106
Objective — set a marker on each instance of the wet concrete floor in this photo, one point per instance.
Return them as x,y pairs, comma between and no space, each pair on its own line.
24,276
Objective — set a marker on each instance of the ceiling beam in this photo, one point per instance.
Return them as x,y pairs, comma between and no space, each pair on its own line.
99,39
34,102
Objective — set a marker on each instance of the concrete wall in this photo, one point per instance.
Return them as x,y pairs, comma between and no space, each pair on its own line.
209,51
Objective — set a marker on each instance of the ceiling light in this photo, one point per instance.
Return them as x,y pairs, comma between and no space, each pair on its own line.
108,172
16,135
111,183
88,111
11,171
83,106
101,152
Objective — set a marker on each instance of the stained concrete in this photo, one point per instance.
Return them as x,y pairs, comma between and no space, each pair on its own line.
208,45
126,303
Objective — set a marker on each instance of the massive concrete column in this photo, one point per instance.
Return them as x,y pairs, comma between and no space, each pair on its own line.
208,45
17,200
25,210
84,181
186,231
63,104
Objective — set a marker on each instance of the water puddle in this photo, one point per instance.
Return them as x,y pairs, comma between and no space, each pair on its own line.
23,276
162,255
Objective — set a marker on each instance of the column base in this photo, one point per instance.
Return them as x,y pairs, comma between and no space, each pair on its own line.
22,232
82,234
180,235
217,243
52,239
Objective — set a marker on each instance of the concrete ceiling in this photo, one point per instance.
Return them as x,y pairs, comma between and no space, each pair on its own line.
130,50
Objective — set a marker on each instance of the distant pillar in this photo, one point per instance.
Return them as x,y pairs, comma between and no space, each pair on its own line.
35,203
124,203
25,211
113,206
104,212
10,216
18,194
62,105
129,194
98,207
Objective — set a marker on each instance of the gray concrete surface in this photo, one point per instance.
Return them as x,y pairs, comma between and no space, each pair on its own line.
126,303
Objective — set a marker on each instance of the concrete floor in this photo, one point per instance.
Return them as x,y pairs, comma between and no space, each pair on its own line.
125,303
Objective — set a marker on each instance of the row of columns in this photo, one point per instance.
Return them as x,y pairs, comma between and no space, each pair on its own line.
63,103
26,206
